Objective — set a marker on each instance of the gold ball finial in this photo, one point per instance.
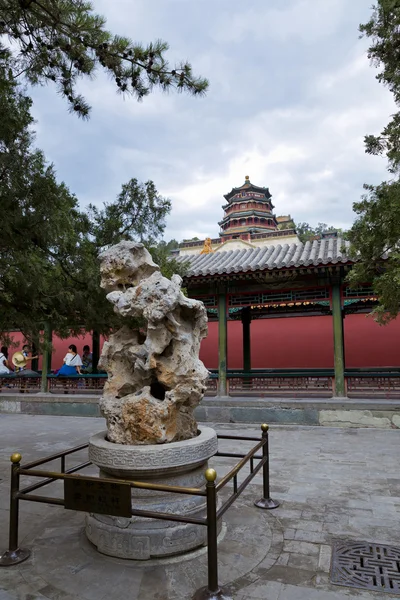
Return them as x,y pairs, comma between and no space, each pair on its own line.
16,457
247,177
264,427
211,474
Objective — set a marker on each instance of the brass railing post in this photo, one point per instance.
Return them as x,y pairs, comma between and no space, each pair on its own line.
266,501
212,591
14,554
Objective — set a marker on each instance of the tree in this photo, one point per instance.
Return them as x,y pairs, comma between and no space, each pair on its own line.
169,246
376,246
49,248
61,41
161,254
375,234
306,232
41,224
384,52
286,225
138,213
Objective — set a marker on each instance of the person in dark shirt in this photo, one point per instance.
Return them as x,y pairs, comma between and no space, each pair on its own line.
87,360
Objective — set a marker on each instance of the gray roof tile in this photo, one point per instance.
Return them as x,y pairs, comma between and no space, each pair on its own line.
318,252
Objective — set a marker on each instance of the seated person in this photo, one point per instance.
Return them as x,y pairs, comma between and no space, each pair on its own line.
23,370
4,364
87,360
72,363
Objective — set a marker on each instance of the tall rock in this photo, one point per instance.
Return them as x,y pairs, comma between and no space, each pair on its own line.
155,376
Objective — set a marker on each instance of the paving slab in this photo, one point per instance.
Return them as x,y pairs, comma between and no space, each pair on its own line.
332,483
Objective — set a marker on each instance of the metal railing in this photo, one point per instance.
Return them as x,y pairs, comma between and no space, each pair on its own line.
85,383
372,382
377,382
14,554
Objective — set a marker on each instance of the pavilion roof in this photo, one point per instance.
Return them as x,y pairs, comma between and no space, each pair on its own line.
281,256
248,187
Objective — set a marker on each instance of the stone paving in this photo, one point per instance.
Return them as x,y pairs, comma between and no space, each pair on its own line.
332,484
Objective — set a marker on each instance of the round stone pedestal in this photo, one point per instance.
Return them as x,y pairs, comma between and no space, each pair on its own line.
176,463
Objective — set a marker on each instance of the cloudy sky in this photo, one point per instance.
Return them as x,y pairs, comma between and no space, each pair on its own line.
291,96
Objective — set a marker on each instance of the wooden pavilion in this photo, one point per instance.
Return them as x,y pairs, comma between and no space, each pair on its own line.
241,279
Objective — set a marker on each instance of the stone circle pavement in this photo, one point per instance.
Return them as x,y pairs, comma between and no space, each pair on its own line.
333,484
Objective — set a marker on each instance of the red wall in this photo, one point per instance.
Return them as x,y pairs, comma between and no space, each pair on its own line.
369,344
306,342
297,342
209,346
275,343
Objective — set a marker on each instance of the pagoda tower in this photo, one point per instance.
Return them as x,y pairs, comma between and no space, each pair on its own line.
248,211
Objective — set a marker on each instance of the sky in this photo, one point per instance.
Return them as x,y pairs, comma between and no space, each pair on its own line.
292,95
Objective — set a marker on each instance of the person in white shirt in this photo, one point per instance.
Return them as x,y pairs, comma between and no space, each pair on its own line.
4,364
72,362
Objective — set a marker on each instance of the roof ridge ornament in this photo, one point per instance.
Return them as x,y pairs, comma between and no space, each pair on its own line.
207,248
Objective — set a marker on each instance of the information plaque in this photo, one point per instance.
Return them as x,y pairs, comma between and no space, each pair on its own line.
106,498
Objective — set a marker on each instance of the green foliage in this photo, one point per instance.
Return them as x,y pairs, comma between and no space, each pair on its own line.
41,224
374,237
138,213
49,248
161,254
306,232
384,52
169,246
286,225
375,234
61,41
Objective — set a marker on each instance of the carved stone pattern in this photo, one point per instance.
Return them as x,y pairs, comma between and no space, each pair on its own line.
105,454
124,543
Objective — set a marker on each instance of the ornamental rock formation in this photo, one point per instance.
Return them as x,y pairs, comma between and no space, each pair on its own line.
155,376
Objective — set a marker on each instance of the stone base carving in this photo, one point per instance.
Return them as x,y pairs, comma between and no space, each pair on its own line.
177,463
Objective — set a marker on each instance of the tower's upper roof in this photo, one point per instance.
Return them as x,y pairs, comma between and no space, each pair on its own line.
248,187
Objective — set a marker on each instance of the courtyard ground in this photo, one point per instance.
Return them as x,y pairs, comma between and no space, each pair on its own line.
333,484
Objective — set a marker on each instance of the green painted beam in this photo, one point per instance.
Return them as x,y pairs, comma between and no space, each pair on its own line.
222,344
338,341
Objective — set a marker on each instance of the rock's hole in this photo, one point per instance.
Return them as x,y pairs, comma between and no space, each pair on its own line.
167,353
141,337
158,390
